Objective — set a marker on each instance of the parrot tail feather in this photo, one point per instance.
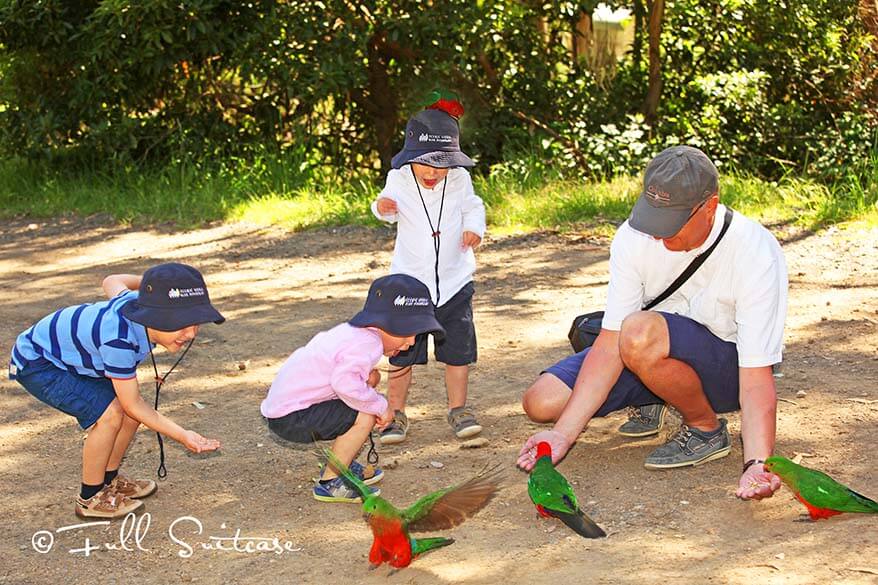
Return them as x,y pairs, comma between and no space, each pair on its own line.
422,545
868,505
582,524
346,473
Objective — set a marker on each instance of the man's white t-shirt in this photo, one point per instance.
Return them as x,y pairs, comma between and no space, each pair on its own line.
414,254
739,293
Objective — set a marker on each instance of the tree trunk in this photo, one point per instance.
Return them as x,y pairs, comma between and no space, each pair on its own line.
869,77
542,26
637,45
583,36
381,102
656,10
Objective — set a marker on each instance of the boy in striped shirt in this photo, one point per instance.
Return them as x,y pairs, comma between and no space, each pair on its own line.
83,361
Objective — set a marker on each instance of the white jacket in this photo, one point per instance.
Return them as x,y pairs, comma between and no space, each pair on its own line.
414,253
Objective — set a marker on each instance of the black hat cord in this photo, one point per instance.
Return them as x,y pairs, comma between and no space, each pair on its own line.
162,471
435,230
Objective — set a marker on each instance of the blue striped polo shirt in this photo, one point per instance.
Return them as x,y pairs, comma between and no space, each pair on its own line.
93,339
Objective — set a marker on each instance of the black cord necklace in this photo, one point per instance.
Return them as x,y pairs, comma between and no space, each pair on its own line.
435,230
162,472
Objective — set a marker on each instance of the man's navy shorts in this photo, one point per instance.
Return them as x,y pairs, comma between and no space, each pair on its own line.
322,421
713,359
83,397
458,347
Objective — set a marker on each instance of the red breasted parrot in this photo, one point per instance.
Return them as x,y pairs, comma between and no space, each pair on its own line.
439,510
551,493
822,495
447,101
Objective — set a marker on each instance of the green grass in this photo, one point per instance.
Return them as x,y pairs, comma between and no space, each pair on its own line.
287,192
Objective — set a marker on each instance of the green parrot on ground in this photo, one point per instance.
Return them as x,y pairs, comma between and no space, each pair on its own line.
554,498
439,510
822,495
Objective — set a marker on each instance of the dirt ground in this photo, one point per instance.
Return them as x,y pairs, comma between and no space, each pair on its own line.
277,289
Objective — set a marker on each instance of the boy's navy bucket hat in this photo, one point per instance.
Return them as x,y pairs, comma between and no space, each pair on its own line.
400,305
172,296
432,138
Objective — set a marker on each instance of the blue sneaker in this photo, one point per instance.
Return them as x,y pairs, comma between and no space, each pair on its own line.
368,474
338,491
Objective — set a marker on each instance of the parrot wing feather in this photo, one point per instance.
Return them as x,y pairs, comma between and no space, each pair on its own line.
449,507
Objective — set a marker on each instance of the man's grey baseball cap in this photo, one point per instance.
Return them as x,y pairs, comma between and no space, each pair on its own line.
676,181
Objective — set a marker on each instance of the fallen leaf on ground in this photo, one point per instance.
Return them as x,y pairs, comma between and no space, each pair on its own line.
474,443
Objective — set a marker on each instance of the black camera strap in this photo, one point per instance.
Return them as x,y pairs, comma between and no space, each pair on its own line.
693,266
162,472
435,230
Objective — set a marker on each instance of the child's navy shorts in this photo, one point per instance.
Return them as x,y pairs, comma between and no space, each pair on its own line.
83,397
713,359
323,421
458,347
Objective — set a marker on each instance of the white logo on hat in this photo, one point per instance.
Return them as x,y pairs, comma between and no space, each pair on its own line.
404,301
435,138
184,293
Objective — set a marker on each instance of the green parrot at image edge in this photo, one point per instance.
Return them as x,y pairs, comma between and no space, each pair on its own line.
439,510
822,495
554,498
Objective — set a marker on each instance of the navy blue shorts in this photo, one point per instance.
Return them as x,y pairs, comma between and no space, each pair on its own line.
458,347
83,397
323,421
713,359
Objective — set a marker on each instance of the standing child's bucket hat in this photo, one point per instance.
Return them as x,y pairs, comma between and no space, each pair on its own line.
171,297
432,138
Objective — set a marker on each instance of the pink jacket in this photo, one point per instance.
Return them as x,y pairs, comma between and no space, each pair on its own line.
335,364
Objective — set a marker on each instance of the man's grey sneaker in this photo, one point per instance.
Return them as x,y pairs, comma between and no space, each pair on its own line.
463,422
396,431
644,421
690,446
338,491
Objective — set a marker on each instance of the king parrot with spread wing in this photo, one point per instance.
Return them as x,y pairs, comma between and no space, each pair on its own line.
439,510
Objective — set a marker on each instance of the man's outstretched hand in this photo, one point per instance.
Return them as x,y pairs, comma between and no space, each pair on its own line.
527,457
756,483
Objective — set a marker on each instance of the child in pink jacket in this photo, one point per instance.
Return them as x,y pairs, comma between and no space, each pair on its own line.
326,389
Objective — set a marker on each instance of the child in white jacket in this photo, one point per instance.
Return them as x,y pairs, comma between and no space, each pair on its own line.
440,221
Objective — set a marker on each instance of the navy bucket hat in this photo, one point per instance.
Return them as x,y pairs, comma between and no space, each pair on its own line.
172,296
400,305
432,138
